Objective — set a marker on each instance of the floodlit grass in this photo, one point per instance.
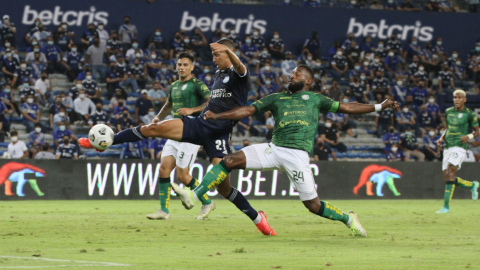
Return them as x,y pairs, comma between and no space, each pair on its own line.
403,234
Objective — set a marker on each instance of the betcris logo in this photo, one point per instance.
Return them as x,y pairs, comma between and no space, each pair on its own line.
57,16
241,25
383,31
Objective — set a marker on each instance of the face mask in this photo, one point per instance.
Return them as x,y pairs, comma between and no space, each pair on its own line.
64,26
38,129
275,36
414,42
458,63
421,68
34,43
61,128
100,27
339,53
345,100
8,55
232,32
391,2
158,34
431,133
208,78
265,53
78,86
363,77
61,114
30,100
390,54
268,82
365,63
26,85
354,2
391,130
89,77
64,98
380,46
74,49
399,83
65,141
7,45
255,34
153,56
357,67
267,68
125,115
405,110
81,96
431,100
99,109
186,41
477,49
138,55
152,114
7,90
135,45
126,21
248,40
328,125
14,139
439,43
408,132
164,70
237,53
316,76
394,149
309,58
40,29
50,42
376,60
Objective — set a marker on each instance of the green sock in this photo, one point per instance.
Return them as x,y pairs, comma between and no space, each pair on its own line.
459,182
331,212
204,198
449,188
215,176
164,193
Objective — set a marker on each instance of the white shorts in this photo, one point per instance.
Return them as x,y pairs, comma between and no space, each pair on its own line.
453,155
184,153
296,163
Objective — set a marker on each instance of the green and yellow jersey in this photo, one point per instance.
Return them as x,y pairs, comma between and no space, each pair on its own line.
188,94
296,117
459,123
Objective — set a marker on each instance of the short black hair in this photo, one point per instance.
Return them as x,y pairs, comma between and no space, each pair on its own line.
308,69
46,146
227,42
13,133
66,134
38,125
186,55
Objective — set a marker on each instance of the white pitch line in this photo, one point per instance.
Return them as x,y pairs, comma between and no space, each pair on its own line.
86,263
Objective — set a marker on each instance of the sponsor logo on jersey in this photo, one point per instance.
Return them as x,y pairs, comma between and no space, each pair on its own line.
286,98
268,151
305,97
220,93
226,79
184,87
460,115
295,113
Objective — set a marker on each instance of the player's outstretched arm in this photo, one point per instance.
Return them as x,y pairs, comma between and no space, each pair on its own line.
235,114
166,109
357,108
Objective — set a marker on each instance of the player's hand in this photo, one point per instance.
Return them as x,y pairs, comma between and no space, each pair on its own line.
217,47
464,139
185,111
387,103
155,120
439,143
209,116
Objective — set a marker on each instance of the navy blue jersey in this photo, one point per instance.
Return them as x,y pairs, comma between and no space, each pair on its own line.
22,73
98,118
229,91
66,151
90,87
24,92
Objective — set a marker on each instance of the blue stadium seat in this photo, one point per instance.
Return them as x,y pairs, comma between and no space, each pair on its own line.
116,146
109,154
341,155
352,155
104,94
55,93
82,135
4,144
237,147
106,102
137,95
131,102
91,153
17,119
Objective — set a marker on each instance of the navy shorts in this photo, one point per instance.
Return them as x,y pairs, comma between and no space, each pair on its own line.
215,142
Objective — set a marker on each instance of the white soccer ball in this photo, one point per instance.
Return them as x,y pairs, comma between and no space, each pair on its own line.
101,136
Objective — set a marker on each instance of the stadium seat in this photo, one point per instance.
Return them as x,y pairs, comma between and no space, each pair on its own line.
109,154
136,95
91,153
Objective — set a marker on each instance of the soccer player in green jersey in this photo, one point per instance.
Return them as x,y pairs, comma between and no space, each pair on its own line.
460,122
296,119
188,96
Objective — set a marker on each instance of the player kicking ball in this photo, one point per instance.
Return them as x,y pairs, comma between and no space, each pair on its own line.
296,119
187,97
460,120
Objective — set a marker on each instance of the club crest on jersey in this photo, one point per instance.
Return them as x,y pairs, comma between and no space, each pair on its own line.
184,87
226,79
268,151
460,115
305,97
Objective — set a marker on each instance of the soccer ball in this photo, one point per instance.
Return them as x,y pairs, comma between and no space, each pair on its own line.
101,136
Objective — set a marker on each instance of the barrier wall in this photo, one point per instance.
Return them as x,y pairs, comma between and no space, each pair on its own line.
118,179
459,31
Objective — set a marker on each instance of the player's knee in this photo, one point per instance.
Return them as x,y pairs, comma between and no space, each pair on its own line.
312,206
233,162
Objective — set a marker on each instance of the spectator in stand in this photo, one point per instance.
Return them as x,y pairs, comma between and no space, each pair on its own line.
60,132
367,45
130,55
46,152
354,72
311,3
391,64
399,92
413,67
124,122
459,72
267,72
99,116
6,97
83,106
405,118
408,6
91,88
208,81
341,120
164,76
66,150
36,139
31,54
138,73
411,105
67,101
87,36
54,55
419,93
102,34
114,46
359,91
425,121
63,40
353,5
128,32
367,70
249,50
41,35
29,36
113,78
270,126
148,119
234,38
8,30
432,151
391,5
445,80
331,136
60,117
339,65
430,60
377,64
31,113
383,121
268,88
159,42
353,54
142,106
22,72
276,46
246,124
252,96
380,85
376,5
286,3
419,76
347,43
94,57
43,88
16,148
25,88
72,62
10,65
132,150
381,52
439,49
434,109
322,152
432,6
157,95
257,39
312,45
395,154
54,109
263,58
390,138
177,46
412,49
37,66
409,145
86,68
156,148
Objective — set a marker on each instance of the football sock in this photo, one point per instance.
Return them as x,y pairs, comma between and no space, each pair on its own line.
215,176
164,193
204,198
331,212
241,203
128,135
449,188
459,182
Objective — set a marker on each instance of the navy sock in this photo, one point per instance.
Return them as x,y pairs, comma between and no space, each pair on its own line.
128,135
241,203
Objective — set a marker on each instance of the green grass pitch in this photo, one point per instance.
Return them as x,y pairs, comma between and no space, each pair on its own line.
403,234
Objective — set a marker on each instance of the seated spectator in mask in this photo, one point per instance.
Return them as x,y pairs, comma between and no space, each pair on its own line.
99,117
156,148
46,152
321,152
36,139
395,154
124,121
66,150
31,113
60,117
60,132
83,106
16,148
432,151
425,121
331,136
409,145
